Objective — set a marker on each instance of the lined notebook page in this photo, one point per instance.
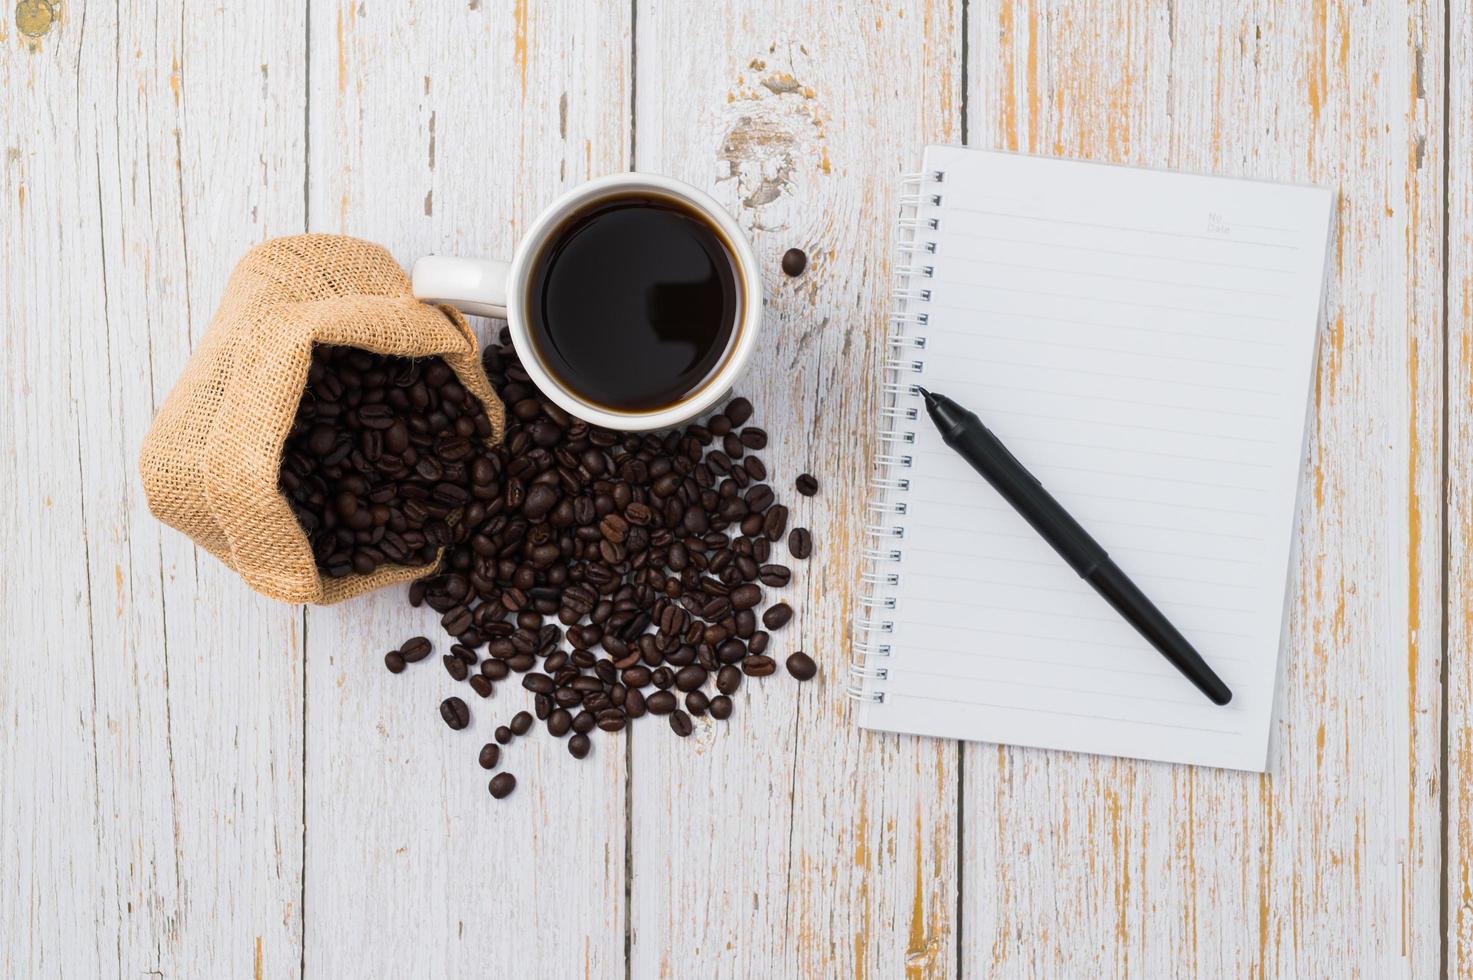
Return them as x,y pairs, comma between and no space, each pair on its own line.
1144,342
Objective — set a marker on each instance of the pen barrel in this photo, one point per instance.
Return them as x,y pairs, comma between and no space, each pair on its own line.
1133,606
1021,489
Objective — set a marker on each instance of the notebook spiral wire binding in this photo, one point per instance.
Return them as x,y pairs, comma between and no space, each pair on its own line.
902,359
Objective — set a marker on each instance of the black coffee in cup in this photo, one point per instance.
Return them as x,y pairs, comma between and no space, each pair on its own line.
633,302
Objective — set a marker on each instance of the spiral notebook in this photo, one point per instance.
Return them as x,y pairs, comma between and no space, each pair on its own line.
1143,341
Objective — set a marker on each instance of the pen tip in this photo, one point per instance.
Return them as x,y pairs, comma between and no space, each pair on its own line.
924,392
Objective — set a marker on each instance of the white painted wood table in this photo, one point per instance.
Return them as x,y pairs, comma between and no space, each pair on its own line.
195,782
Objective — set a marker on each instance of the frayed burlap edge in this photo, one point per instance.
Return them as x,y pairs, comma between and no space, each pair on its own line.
211,459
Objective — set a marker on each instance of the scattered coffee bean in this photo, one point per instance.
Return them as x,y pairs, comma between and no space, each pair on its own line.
758,666
394,660
801,666
800,543
806,484
795,260
490,755
502,784
696,703
455,713
776,617
650,553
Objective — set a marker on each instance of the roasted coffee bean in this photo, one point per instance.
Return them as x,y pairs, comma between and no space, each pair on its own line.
502,734
745,596
806,484
696,703
775,522
482,685
691,677
737,411
539,683
720,707
584,722
394,660
455,713
465,653
611,720
775,576
490,755
502,784
754,438
660,703
521,723
457,620
680,723
560,722
729,679
800,543
415,649
776,617
495,670
541,706
758,642
801,666
795,260
455,667
760,666
579,745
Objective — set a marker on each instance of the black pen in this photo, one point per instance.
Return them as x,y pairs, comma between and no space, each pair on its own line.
965,433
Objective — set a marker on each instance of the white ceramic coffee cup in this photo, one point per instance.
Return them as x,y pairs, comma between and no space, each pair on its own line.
486,287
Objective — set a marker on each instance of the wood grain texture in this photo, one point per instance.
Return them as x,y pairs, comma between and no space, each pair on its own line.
786,842
150,792
1459,493
446,128
1328,865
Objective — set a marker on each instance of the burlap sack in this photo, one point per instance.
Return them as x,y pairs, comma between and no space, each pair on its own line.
210,460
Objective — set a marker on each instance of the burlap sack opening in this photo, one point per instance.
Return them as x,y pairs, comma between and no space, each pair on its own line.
211,458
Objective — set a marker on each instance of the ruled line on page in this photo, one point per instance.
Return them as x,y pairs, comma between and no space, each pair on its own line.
920,451
1111,375
1035,341
1055,590
1053,563
1085,298
1166,672
901,622
1128,647
1048,393
1010,240
1002,508
944,262
1035,710
1218,239
1125,500
937,327
1134,697
1127,426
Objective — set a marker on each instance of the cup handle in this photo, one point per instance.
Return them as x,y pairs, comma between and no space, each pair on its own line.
475,286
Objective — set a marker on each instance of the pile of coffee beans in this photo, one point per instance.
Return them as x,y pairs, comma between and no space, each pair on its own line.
382,458
620,574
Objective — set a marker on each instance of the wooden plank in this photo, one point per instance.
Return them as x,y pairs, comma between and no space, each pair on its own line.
786,842
447,128
1459,480
152,792
1328,866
